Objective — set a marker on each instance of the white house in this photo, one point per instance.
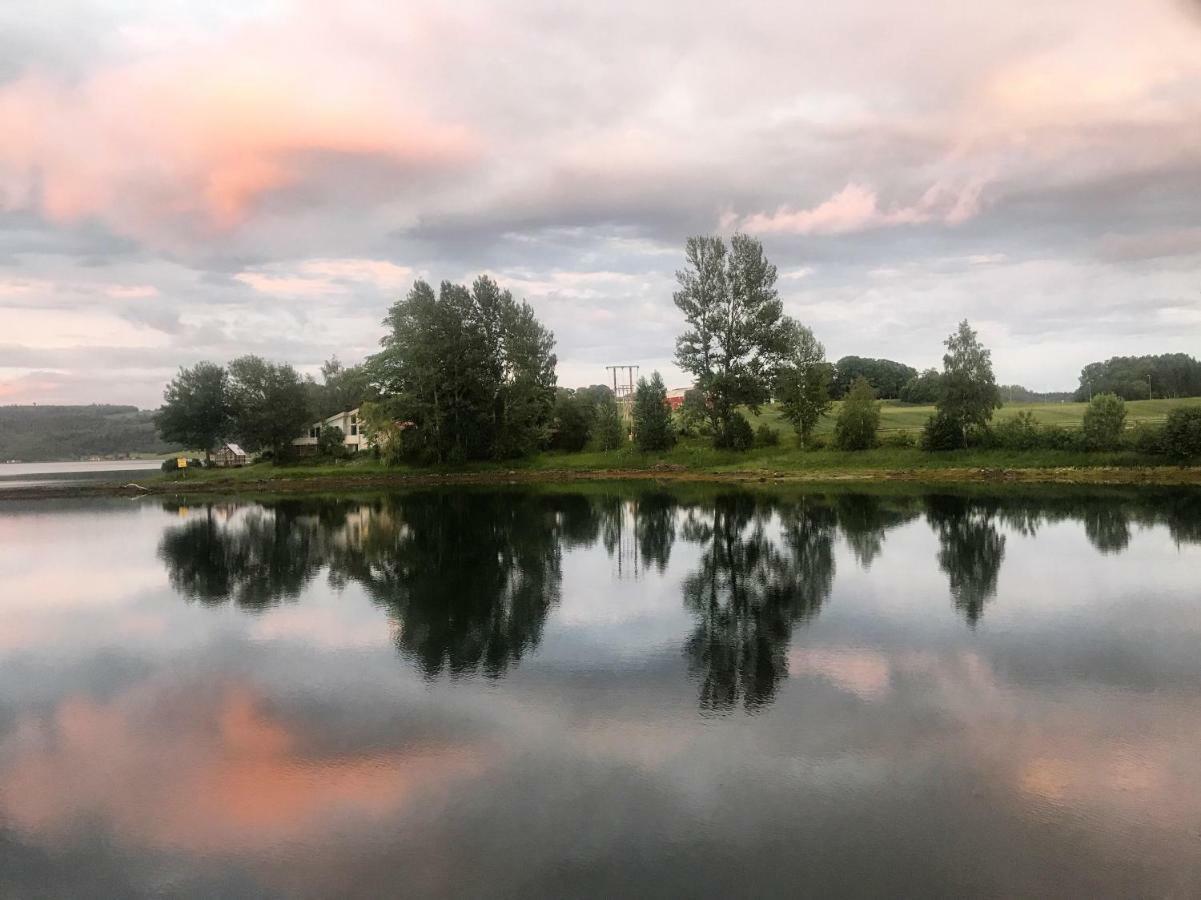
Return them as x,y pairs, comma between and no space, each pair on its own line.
347,422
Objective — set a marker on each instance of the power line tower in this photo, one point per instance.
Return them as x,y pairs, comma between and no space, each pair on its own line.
623,386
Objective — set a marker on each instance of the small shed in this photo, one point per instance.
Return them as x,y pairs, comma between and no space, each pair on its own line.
230,456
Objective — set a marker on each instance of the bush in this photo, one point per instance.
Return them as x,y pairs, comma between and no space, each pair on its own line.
331,442
1104,422
858,419
1056,437
1147,438
1019,433
736,435
1182,433
943,432
898,439
766,436
572,423
818,442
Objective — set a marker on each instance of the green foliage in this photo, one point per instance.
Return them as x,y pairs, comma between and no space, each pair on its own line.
1019,433
737,434
342,389
609,430
196,408
43,433
331,442
268,403
692,414
1104,422
803,383
924,388
573,421
652,416
766,436
887,377
858,419
472,370
1147,437
897,440
969,390
1141,377
1182,433
942,432
737,332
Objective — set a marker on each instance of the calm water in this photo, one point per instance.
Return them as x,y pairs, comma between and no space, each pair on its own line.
624,692
27,474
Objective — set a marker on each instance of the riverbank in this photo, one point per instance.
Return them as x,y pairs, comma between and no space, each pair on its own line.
872,467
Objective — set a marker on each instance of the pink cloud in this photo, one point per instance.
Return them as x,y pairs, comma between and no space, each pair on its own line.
857,208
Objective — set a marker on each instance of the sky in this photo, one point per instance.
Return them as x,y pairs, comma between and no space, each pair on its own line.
183,182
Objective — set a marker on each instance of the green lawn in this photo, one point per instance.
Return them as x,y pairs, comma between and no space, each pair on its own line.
896,416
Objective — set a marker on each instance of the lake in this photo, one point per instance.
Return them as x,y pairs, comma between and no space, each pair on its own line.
603,691
14,475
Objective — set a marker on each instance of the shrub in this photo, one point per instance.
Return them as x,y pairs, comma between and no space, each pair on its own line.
1182,432
818,442
1104,422
1056,437
1147,438
736,435
1019,433
898,439
652,417
943,431
858,419
766,436
331,442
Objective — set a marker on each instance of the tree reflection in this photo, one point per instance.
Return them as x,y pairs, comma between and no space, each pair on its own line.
971,550
748,592
469,577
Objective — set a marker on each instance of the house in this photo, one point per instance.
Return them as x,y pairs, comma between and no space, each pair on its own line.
347,422
229,456
675,397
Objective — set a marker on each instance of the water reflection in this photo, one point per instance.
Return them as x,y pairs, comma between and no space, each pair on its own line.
469,577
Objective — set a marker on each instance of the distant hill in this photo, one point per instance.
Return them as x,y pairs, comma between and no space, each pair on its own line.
46,433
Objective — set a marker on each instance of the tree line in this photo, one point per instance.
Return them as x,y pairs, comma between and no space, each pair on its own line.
468,373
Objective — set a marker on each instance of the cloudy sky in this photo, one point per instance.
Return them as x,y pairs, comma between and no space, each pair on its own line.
183,181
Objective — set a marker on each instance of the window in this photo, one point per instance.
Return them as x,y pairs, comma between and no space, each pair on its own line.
354,429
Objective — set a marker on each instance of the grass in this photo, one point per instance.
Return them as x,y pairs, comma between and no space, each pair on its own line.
697,456
896,416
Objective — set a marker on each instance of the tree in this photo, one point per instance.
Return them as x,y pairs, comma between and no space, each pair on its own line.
924,388
803,384
573,421
610,430
472,370
652,416
331,442
195,411
737,332
1104,421
858,419
1182,432
887,377
343,388
269,404
969,389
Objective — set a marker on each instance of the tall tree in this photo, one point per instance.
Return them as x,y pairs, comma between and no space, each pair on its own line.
195,412
343,387
472,370
969,389
269,403
803,383
737,332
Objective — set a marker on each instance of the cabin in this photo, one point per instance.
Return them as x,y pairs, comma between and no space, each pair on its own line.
230,456
349,423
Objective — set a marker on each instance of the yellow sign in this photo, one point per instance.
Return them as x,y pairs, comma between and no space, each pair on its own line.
181,463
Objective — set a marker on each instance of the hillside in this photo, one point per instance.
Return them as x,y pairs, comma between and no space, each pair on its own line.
45,433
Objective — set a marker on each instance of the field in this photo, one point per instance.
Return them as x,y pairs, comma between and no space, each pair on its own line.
896,416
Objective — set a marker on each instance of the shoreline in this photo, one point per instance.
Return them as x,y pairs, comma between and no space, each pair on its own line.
1157,476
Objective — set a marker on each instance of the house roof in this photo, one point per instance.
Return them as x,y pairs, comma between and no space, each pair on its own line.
235,449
